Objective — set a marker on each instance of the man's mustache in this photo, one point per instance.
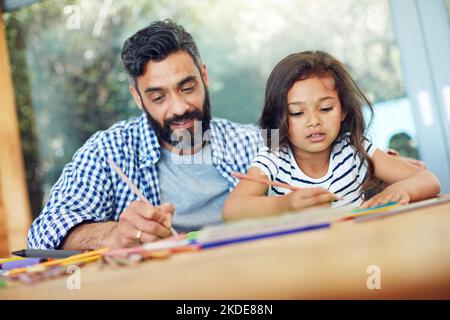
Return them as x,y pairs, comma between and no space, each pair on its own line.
194,114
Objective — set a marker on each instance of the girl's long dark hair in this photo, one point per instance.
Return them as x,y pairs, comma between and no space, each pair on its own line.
304,65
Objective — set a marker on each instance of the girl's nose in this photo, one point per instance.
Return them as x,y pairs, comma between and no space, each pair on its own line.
314,121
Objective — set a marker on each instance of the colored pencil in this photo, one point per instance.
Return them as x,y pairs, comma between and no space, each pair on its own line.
37,253
10,259
72,259
82,260
133,188
241,176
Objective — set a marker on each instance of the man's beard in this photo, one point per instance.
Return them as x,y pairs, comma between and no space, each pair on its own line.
185,139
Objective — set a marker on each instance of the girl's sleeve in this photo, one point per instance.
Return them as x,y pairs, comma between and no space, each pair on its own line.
369,147
267,162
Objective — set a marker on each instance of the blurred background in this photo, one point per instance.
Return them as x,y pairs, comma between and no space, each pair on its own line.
69,83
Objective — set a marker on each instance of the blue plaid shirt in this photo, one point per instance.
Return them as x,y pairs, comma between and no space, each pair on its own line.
89,191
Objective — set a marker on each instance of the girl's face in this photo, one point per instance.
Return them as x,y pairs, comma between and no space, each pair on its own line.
315,115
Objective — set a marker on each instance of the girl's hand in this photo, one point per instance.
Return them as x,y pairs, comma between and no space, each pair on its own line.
390,194
308,197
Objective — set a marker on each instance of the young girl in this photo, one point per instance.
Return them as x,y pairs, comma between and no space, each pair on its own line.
317,108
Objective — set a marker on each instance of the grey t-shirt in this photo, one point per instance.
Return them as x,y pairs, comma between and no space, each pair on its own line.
193,184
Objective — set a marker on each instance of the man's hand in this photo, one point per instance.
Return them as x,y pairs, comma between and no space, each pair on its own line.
140,223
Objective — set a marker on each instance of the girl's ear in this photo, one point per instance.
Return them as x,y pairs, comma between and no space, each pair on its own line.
343,115
136,96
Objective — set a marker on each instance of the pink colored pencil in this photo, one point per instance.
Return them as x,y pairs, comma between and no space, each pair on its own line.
271,183
264,181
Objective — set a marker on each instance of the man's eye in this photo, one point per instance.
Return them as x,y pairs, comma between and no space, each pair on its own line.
158,99
188,89
295,114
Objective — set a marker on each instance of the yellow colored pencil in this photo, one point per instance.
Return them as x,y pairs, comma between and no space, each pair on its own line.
10,259
66,261
76,257
83,260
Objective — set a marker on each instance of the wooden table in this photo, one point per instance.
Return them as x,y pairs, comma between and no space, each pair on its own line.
411,249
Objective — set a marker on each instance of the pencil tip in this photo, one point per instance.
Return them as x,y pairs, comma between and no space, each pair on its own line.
18,253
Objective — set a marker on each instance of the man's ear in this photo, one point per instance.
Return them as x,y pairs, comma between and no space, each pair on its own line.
136,96
204,73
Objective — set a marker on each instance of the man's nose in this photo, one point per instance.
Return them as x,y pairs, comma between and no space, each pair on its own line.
178,105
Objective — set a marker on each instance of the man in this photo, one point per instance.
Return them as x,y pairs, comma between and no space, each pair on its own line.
175,153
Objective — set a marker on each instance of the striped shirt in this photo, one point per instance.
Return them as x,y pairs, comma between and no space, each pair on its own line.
89,191
345,173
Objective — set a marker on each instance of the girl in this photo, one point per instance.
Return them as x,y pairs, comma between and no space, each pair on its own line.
317,108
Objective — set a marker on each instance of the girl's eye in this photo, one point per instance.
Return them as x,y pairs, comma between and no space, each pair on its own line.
326,109
294,114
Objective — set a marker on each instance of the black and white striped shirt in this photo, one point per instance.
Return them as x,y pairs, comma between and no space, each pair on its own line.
345,173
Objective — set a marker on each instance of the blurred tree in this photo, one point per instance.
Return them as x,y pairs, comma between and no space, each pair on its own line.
447,2
16,36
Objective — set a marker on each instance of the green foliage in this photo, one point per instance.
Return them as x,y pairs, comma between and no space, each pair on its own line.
17,46
447,2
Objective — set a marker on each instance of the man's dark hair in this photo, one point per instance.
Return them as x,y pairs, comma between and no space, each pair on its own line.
156,42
